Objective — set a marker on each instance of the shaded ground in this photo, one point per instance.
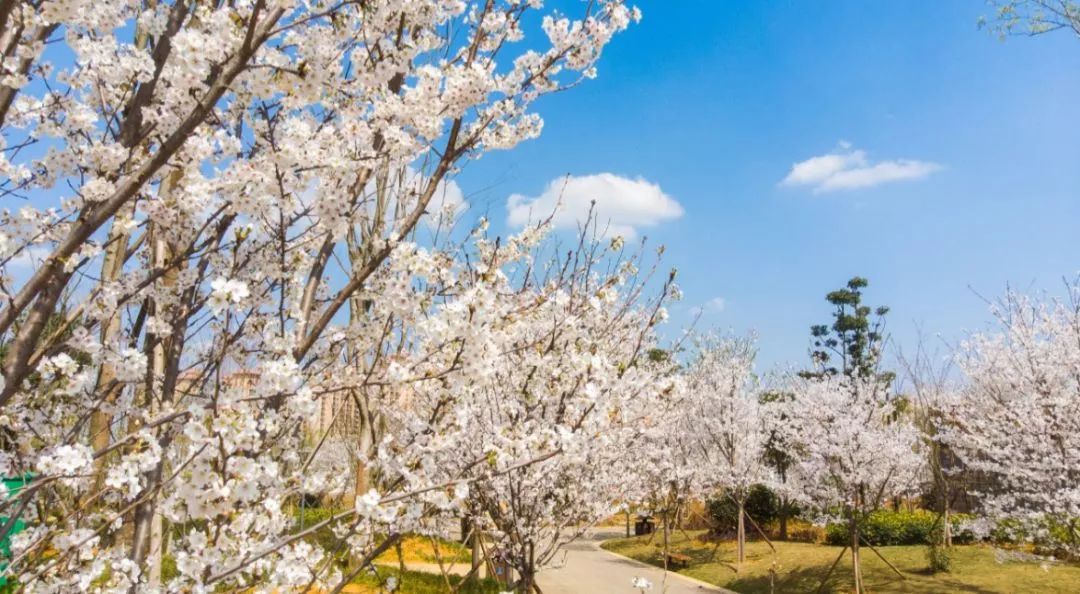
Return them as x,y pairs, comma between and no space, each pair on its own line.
800,567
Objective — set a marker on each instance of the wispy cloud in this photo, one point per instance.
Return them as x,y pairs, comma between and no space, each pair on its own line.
622,205
31,257
847,168
716,304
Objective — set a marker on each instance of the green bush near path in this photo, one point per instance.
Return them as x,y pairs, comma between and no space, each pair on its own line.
799,568
886,527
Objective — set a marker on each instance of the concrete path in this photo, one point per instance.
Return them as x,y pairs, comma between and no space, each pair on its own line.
591,570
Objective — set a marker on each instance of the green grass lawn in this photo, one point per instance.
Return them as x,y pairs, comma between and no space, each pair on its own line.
801,566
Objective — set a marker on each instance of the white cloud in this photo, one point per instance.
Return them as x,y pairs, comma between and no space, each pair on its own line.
622,204
31,257
847,168
716,304
448,200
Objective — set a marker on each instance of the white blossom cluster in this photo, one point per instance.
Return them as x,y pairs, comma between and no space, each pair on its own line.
712,444
851,449
1014,420
560,393
724,426
226,203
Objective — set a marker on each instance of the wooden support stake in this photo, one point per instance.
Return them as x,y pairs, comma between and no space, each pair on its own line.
831,569
442,569
760,531
880,556
712,556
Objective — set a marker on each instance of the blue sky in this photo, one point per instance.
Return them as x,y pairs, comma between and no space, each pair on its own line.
715,101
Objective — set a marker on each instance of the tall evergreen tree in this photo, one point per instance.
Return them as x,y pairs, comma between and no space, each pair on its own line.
853,343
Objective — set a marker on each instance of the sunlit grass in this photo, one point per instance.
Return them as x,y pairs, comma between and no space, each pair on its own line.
800,567
421,549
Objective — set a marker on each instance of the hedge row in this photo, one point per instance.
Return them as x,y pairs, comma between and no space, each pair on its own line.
885,527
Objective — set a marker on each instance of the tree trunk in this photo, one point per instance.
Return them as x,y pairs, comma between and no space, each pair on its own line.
358,310
149,535
857,570
627,522
101,420
741,523
667,540
157,535
361,478
477,559
946,527
946,505
157,550
365,438
146,541
783,518
111,268
528,575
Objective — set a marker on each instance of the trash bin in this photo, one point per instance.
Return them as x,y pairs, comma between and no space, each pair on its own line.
644,525
504,574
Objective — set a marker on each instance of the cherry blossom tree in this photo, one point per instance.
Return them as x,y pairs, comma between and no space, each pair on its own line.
229,213
661,481
722,429
852,448
929,383
1033,17
567,382
1015,419
712,443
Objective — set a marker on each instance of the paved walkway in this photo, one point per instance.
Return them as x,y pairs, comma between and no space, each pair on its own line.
592,570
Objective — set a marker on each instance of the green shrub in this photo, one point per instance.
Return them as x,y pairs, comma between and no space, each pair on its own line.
1050,534
938,558
1009,531
762,505
886,527
313,515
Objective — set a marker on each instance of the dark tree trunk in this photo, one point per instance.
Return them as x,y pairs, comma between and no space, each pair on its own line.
783,518
741,532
